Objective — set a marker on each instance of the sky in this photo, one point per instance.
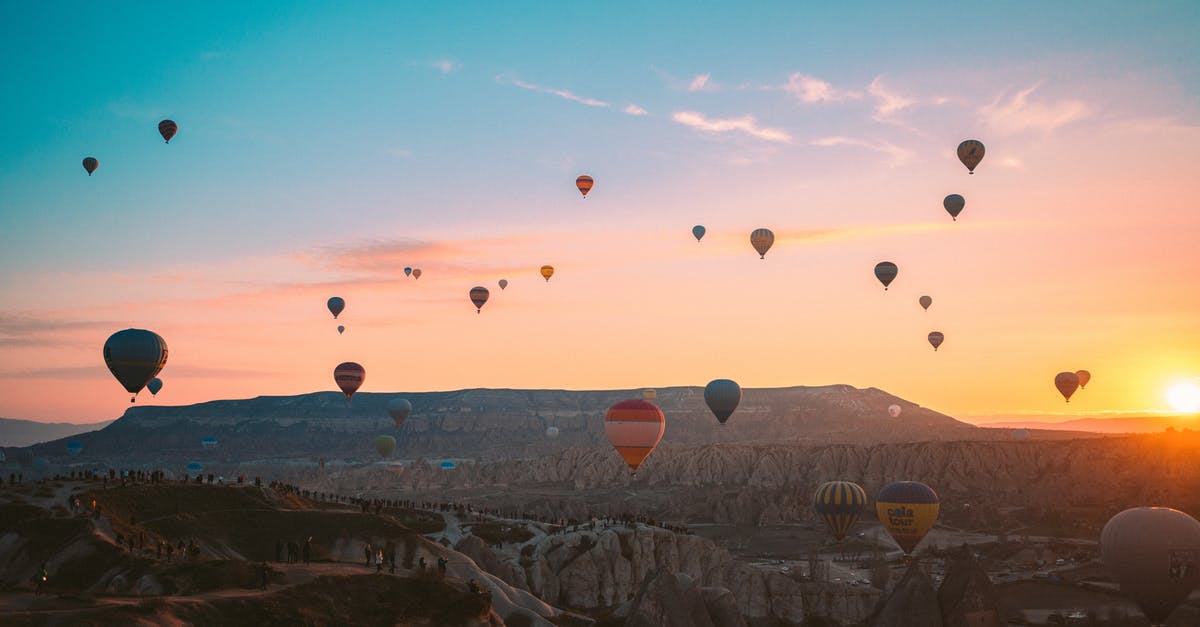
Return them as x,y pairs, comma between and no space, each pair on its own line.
323,148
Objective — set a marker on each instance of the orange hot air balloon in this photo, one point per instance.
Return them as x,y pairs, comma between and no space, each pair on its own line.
547,272
416,273
634,428
479,296
970,153
90,164
761,240
584,183
349,376
925,302
1084,377
167,128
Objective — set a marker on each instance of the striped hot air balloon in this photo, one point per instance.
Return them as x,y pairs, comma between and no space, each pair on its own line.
839,504
167,128
649,395
970,153
634,427
479,296
385,445
584,183
761,240
349,376
907,510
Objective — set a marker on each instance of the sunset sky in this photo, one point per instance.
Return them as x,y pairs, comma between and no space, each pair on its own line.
323,149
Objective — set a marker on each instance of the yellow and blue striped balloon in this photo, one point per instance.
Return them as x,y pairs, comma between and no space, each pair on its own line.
839,504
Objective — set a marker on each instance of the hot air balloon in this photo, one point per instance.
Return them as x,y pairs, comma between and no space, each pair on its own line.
341,329
925,302
547,272
886,272
1020,435
349,376
584,183
408,272
552,432
447,465
762,239
935,339
698,232
970,152
954,205
208,442
1154,553
135,356
479,296
649,395
385,445
839,504
195,467
907,510
1067,383
167,128
90,164
894,411
416,273
74,448
503,283
722,397
335,305
634,428
1084,377
154,386
399,409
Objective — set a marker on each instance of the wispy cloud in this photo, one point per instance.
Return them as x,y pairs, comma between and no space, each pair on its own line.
1020,113
561,93
445,65
887,102
898,154
811,90
98,370
699,83
633,109
747,124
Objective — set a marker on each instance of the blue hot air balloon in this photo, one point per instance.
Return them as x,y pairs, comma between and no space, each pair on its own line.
447,465
74,448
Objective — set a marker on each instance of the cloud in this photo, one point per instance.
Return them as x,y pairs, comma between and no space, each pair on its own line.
699,83
898,154
810,90
403,153
445,65
888,103
100,371
746,124
633,109
1020,113
561,93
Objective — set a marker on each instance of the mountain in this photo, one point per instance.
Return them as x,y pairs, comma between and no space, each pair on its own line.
15,432
1124,424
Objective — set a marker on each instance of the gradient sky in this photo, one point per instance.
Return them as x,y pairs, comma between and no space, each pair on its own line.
323,149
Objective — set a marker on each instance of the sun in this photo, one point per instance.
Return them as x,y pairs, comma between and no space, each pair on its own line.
1184,397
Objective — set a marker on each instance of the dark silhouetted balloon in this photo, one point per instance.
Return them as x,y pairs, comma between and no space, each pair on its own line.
585,183
341,329
925,302
208,442
1154,553
416,273
722,397
503,283
634,428
335,305
886,272
479,296
90,164
399,409
954,205
1084,377
839,504
698,232
1067,383
935,339
135,356
74,448
408,272
761,240
970,152
385,445
154,386
1020,435
167,128
908,510
349,376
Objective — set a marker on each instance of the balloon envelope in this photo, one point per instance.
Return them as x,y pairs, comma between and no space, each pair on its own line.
167,128
349,376
1020,435
208,442
722,397
154,386
634,428
90,164
894,411
698,232
74,448
761,240
384,445
907,510
547,272
584,183
1154,553
479,296
503,283
970,153
649,395
195,467
341,329
1067,383
925,302
447,465
408,272
416,273
886,272
936,338
839,504
135,356
954,205
1084,377
335,305
399,409
552,432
